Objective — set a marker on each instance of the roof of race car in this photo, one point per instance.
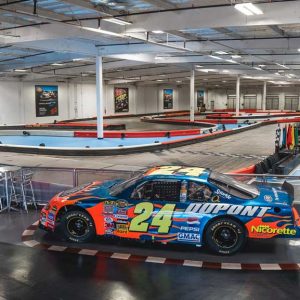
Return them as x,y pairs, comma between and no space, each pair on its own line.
178,171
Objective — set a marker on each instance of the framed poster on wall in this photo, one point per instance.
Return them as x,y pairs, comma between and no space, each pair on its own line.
200,98
168,98
121,96
46,100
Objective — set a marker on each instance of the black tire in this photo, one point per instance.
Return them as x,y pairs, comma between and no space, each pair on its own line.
225,236
77,226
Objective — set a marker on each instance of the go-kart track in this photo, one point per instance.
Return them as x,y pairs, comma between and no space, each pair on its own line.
174,130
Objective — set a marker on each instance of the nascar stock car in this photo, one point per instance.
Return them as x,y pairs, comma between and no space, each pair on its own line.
173,204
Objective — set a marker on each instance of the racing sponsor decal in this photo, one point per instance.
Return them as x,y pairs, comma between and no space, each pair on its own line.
109,207
121,214
122,203
108,220
122,228
121,222
188,237
223,194
109,228
215,199
275,194
266,229
268,198
189,228
230,209
192,221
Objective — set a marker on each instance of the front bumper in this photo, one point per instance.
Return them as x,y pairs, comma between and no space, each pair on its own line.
47,220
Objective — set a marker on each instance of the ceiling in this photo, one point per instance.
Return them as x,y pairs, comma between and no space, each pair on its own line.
162,41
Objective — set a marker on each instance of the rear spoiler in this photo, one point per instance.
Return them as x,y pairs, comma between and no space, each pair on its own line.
289,189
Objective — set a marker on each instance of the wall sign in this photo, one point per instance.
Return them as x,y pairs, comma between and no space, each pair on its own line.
121,96
46,100
200,98
168,98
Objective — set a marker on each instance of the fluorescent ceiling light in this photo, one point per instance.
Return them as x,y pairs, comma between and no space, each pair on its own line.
178,81
248,9
162,75
157,31
117,21
224,81
205,79
80,59
221,52
299,49
281,71
257,68
283,66
292,75
20,70
261,66
198,66
99,30
235,56
159,80
203,70
232,61
225,71
215,57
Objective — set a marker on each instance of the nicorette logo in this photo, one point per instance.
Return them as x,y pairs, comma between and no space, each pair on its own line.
230,209
270,230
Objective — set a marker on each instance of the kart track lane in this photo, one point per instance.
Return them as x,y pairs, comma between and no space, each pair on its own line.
258,255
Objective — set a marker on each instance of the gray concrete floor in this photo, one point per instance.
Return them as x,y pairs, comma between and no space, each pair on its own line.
223,154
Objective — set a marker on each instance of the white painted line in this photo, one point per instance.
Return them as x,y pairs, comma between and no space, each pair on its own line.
120,255
88,252
272,267
28,232
57,248
193,263
36,223
231,266
156,260
298,265
31,243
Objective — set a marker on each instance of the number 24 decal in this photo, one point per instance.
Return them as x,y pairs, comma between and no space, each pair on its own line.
163,218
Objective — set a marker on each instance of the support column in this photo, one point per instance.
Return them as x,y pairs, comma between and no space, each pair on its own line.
192,96
237,97
99,97
264,97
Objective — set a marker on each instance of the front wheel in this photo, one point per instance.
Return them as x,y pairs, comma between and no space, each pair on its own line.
77,226
225,236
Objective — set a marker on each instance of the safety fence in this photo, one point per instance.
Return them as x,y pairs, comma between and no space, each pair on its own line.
47,182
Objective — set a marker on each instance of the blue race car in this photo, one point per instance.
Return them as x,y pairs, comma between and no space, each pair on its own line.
173,204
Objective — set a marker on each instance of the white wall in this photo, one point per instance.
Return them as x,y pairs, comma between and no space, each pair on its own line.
78,100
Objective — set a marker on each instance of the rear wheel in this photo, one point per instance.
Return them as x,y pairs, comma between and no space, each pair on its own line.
225,236
77,226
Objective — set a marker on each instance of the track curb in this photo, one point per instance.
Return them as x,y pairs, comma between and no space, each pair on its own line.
29,241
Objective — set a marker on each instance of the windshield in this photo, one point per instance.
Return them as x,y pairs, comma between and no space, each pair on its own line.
123,185
233,187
